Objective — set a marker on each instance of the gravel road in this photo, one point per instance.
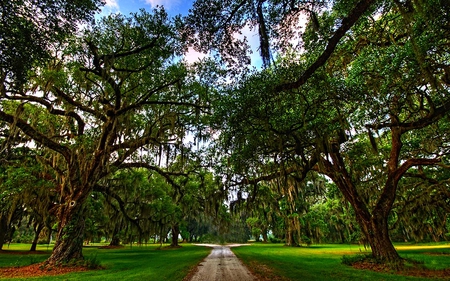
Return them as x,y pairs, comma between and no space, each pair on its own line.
222,265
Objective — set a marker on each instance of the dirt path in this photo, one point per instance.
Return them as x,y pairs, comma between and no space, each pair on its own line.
222,265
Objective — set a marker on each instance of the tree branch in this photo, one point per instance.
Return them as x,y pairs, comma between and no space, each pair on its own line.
165,174
78,105
432,117
413,162
35,135
108,192
52,110
360,8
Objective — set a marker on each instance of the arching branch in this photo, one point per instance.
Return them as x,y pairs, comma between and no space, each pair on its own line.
360,8
35,135
413,162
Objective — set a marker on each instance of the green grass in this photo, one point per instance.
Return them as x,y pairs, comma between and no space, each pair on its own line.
318,262
323,262
136,263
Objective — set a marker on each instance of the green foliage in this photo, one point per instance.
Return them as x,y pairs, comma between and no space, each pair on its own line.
274,239
26,39
108,115
350,260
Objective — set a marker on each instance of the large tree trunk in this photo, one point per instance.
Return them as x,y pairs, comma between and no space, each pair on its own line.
376,231
115,240
70,235
372,221
175,234
374,226
290,234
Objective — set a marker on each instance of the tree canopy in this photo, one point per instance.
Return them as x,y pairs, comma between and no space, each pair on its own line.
341,136
30,29
372,76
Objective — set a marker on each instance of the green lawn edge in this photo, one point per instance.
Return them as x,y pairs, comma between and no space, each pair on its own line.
128,263
324,262
317,262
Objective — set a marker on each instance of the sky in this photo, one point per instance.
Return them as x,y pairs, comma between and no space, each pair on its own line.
173,8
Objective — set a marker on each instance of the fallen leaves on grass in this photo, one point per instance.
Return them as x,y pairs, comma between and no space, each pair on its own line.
264,273
38,270
111,247
437,253
413,270
16,252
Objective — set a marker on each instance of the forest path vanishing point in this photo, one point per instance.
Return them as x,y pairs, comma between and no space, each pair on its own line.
221,265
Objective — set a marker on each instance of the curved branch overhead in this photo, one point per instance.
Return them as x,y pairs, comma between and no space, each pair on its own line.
347,23
217,28
36,135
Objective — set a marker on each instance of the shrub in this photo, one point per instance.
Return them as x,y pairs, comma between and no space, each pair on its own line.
274,239
350,260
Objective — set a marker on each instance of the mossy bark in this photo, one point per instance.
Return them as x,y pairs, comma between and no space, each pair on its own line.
70,235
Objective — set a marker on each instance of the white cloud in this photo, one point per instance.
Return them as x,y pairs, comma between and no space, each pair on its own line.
193,56
168,4
111,7
251,34
112,4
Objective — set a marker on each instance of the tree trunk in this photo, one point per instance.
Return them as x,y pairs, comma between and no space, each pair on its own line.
341,237
290,235
3,229
37,232
115,240
375,228
70,235
376,231
372,221
175,234
264,235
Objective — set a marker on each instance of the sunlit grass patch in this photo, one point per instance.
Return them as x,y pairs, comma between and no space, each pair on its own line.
127,263
324,262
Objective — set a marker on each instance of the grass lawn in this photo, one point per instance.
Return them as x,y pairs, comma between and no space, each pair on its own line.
323,262
136,263
273,261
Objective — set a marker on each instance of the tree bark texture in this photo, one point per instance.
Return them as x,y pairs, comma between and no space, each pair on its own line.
70,235
376,232
290,234
175,234
115,241
373,222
